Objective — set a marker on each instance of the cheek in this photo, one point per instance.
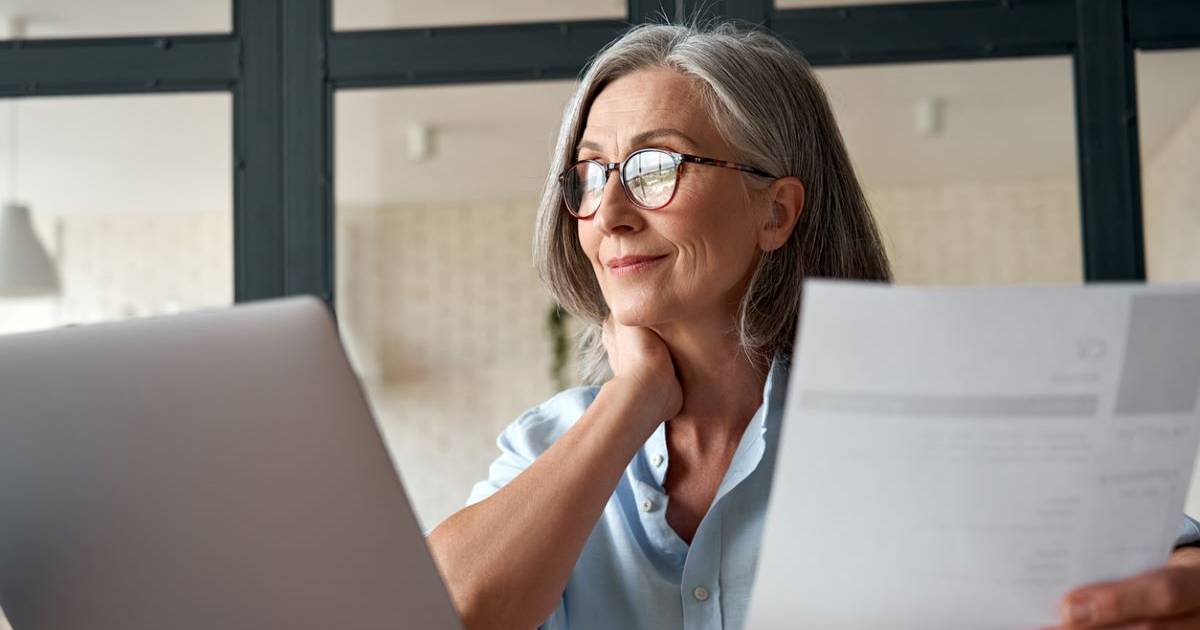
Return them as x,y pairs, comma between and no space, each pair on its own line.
589,243
719,242
589,240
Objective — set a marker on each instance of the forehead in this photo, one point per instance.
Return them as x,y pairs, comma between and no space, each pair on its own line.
645,100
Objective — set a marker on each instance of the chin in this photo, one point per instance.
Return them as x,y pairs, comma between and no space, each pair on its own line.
639,314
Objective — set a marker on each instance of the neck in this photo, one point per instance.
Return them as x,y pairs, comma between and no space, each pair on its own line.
722,388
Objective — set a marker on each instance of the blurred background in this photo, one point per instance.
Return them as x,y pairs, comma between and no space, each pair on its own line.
971,167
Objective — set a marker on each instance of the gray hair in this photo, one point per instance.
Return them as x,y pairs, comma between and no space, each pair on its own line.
766,103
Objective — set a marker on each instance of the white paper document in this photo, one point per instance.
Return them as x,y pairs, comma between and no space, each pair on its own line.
962,457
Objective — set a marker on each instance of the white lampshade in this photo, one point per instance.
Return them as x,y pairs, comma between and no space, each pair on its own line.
26,269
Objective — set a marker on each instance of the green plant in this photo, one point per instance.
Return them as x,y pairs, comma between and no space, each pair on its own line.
556,327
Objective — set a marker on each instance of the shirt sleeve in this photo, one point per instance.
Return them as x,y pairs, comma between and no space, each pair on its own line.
528,437
515,457
521,443
1189,532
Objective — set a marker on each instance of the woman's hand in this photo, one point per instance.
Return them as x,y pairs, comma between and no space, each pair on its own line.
1167,597
641,361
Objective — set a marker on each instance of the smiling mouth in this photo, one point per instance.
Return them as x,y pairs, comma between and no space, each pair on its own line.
632,264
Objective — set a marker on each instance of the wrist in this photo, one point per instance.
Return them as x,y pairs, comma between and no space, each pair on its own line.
639,400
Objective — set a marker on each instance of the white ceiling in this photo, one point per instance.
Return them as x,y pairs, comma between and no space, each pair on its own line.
112,154
1000,120
87,18
361,14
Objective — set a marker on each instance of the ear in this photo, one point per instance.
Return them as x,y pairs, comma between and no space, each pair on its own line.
787,201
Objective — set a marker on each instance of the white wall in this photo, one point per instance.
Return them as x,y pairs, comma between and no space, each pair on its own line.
992,232
1171,199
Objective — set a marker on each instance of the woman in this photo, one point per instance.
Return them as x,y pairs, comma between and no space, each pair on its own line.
640,503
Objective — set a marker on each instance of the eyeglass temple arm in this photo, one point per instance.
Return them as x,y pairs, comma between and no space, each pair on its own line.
696,159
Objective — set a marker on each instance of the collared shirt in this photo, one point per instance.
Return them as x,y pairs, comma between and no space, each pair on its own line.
635,571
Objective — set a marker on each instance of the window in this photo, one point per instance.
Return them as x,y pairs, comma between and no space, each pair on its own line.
969,167
1169,118
133,208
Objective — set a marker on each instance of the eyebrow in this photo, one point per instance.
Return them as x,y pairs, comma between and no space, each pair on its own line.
642,138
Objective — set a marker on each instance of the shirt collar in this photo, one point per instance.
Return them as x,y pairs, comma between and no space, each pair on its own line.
750,449
767,419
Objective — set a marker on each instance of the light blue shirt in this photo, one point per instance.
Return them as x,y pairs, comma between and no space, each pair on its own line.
635,571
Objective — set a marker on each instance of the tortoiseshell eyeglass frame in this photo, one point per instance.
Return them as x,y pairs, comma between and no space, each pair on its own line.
678,158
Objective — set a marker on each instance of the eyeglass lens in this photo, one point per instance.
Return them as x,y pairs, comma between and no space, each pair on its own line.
649,176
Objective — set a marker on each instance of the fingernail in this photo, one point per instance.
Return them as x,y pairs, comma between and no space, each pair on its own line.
1077,611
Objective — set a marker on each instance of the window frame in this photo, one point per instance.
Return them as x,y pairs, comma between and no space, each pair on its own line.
283,63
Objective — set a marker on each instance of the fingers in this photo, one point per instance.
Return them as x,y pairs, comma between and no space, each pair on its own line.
1185,556
1188,622
1159,595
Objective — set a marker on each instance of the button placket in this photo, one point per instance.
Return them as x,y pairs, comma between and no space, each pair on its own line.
702,571
655,454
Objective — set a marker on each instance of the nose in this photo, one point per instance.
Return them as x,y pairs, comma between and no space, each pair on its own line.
616,215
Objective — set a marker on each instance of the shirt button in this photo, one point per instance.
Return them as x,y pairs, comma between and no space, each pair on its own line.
647,505
657,460
700,593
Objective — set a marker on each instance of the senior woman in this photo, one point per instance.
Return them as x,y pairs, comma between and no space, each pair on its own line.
640,503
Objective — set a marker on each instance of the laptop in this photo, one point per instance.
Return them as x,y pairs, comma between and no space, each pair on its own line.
218,469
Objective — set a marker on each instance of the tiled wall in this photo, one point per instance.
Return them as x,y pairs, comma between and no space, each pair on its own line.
462,341
132,265
1171,198
982,232
120,266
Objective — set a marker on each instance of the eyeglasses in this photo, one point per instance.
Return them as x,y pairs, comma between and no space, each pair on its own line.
649,177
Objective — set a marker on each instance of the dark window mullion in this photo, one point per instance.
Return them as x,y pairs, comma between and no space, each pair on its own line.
116,65
933,31
465,54
642,11
1106,119
259,265
307,186
283,200
1165,24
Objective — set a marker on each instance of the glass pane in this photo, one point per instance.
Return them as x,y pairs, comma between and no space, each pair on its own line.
439,305
1169,119
130,210
368,14
87,18
970,167
1169,129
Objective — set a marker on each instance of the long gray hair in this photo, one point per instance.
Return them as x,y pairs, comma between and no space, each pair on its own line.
768,106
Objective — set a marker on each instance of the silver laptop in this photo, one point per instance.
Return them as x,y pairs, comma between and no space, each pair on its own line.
212,470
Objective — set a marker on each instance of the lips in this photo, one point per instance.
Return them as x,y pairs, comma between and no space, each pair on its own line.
631,261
